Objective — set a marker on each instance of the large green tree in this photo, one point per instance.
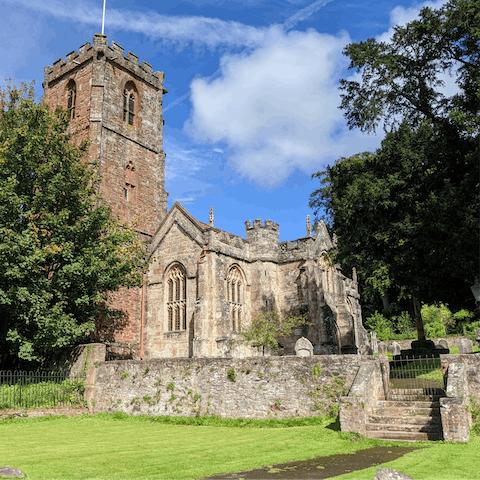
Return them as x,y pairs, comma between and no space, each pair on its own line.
407,215
61,249
402,80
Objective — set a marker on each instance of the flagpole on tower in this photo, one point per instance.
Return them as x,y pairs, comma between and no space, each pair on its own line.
103,20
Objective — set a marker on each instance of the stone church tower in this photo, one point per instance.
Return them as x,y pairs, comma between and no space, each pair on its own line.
116,103
204,284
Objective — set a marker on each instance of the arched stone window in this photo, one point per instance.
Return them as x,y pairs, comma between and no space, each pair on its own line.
176,299
71,98
130,97
235,297
129,190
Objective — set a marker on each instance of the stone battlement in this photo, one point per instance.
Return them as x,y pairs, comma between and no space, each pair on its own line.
257,224
113,53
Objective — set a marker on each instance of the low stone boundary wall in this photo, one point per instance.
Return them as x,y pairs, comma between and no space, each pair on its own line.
472,371
259,387
406,344
370,385
456,420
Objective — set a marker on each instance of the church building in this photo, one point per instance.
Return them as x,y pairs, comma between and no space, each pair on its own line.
204,285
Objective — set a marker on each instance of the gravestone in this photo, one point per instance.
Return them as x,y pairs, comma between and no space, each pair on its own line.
465,345
374,342
303,347
11,472
382,348
477,333
442,342
395,348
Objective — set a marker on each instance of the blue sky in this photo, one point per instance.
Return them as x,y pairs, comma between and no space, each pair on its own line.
252,109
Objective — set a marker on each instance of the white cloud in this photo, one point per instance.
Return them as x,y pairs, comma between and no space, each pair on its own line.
196,30
182,30
276,108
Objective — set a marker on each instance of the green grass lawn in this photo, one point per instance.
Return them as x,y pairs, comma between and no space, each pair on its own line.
118,446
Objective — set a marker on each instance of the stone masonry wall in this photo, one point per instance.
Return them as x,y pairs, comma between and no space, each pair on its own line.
472,370
406,344
259,387
130,158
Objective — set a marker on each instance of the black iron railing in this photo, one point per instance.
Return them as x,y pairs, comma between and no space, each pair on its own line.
40,389
416,377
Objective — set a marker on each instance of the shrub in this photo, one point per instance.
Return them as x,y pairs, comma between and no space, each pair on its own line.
462,323
403,323
435,320
378,323
231,374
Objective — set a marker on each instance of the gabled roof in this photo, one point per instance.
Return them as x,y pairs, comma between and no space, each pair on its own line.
178,215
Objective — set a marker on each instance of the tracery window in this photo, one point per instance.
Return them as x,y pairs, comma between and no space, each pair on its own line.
176,299
71,98
129,95
235,297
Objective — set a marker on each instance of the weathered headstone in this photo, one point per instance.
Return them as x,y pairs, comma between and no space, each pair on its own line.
374,342
382,348
390,474
477,333
465,345
442,342
11,472
395,348
303,347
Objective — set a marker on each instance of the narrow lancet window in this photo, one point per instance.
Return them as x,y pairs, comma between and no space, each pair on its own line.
234,297
129,95
71,98
176,299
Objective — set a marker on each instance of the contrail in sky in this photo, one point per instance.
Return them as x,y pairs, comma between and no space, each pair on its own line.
304,13
301,15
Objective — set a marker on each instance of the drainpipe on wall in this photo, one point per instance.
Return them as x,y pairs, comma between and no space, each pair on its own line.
142,319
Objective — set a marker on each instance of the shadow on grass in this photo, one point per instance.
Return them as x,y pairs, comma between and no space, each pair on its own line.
322,467
335,425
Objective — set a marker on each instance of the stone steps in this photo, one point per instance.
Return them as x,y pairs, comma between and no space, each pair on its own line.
412,419
406,436
402,418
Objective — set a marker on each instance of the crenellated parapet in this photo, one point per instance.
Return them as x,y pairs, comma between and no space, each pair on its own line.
264,239
100,49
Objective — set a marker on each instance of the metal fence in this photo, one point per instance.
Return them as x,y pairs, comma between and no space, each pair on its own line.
21,390
416,378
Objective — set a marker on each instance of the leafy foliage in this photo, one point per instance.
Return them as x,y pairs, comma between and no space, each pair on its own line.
401,79
406,216
267,328
380,324
61,249
435,319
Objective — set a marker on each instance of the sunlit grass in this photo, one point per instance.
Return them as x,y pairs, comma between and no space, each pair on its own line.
115,446
118,446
